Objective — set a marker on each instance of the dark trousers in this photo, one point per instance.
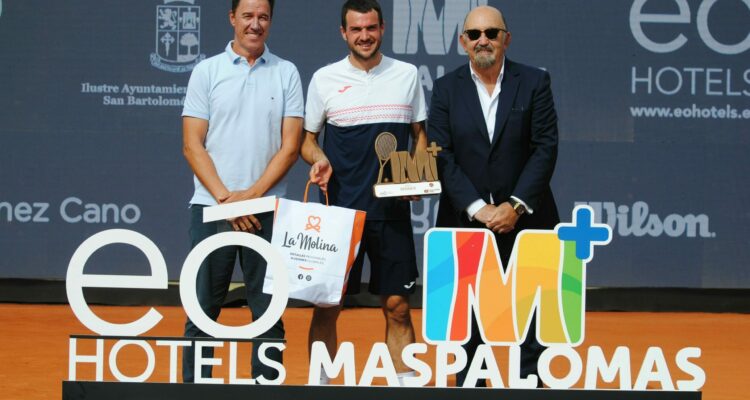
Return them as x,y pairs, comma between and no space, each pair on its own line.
531,349
530,352
212,285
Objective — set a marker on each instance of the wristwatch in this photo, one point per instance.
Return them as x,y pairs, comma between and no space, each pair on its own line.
517,206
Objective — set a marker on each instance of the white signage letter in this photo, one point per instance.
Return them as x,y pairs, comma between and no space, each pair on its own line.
76,280
271,363
442,368
708,38
190,299
150,361
321,360
596,364
97,359
683,363
637,18
576,367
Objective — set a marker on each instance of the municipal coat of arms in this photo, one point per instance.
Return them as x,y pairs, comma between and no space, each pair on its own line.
178,36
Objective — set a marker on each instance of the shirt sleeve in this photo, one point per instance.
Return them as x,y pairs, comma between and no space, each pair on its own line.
196,98
293,101
474,208
314,108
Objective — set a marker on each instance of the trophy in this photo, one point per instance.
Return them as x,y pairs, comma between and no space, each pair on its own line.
410,176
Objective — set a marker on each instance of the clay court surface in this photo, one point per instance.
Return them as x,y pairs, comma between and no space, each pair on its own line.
34,346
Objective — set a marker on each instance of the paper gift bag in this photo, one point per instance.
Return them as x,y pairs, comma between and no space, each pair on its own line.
319,244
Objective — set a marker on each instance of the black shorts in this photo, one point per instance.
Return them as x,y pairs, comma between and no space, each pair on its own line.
393,265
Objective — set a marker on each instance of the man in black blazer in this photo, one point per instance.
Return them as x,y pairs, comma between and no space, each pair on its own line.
495,120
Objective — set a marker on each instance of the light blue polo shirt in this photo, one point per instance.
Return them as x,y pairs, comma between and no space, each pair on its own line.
244,107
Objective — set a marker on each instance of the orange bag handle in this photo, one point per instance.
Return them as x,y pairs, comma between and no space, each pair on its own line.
307,189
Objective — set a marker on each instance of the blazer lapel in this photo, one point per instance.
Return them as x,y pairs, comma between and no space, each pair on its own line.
508,92
470,98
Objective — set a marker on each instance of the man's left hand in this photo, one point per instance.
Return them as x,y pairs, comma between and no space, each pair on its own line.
503,219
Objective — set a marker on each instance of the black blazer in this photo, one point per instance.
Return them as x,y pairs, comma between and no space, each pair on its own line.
520,159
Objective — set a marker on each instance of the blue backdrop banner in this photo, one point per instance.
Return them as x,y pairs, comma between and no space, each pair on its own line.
653,99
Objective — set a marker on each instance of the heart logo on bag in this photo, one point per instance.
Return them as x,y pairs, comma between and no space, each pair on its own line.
313,223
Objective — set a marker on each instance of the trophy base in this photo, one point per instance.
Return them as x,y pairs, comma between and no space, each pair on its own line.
406,189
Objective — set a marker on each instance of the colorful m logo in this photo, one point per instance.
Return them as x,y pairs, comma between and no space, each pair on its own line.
546,274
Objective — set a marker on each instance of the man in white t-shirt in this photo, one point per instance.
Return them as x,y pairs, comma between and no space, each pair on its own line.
242,125
355,100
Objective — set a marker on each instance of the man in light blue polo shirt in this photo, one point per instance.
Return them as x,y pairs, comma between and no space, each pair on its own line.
242,130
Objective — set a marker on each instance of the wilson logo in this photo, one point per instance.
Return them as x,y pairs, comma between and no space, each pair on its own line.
638,221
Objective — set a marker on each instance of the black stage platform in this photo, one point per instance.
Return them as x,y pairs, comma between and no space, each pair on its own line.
164,391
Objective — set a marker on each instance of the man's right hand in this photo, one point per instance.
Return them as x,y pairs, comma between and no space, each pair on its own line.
246,223
484,215
320,173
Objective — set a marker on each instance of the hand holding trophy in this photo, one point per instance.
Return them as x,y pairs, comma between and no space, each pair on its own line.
410,176
385,144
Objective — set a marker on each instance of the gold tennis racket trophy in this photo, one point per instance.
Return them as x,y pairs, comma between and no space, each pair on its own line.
409,176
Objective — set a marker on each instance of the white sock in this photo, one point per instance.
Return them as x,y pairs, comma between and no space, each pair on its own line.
403,375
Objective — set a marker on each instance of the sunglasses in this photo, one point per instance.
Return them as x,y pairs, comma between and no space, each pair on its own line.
491,33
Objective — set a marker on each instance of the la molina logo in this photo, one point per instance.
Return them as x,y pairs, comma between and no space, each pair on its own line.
313,223
178,36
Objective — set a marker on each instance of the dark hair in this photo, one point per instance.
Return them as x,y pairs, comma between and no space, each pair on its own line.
360,6
236,3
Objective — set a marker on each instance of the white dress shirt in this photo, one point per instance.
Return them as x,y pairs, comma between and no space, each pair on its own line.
487,100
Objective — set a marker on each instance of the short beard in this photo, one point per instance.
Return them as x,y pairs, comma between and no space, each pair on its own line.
362,57
484,61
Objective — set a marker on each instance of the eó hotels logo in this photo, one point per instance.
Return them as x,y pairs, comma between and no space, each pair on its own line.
178,36
546,275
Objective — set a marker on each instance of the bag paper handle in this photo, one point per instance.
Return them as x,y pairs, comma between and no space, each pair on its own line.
307,189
